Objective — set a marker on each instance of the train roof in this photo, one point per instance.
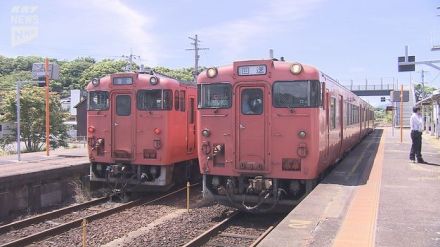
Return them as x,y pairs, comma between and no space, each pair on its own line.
106,82
307,72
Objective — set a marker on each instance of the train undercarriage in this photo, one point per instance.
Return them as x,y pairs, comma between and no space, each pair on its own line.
123,177
255,193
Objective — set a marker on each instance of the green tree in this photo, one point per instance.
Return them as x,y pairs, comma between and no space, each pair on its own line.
101,69
6,65
21,63
183,74
70,74
9,81
33,121
423,92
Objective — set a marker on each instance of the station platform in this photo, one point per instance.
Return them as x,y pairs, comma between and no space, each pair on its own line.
39,181
33,163
374,197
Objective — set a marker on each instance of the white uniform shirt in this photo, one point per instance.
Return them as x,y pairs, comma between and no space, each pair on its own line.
416,122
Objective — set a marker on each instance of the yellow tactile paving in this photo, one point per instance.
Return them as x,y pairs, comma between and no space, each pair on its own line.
359,226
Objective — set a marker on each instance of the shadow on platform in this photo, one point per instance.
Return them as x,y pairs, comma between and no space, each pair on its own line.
355,168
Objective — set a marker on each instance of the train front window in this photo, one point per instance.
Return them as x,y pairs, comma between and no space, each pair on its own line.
154,100
98,101
218,95
292,94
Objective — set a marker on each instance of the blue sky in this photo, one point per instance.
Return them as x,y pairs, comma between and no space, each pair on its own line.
349,40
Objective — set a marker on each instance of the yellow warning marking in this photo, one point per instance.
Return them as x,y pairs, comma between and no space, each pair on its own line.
299,224
359,226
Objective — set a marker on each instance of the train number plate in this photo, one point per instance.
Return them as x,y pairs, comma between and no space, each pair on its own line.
252,70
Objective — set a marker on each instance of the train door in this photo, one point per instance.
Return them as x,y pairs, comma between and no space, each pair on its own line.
191,129
341,124
251,128
122,126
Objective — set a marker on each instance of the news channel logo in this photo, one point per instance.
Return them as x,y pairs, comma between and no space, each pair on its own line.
24,24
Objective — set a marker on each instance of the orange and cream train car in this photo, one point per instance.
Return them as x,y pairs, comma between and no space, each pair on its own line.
268,130
141,130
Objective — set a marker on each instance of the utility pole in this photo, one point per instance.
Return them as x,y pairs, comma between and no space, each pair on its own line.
130,59
423,83
196,50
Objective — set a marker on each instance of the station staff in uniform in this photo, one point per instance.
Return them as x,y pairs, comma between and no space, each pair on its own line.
416,123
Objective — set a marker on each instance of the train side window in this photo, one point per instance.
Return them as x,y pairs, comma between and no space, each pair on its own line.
252,101
333,113
192,110
123,105
176,100
182,100
1,128
167,99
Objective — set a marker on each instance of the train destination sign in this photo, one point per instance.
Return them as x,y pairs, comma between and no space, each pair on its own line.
252,70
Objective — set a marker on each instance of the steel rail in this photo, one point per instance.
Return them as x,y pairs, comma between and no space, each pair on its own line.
76,223
205,236
49,215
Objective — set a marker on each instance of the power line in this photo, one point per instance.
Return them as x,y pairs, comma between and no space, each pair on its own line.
196,50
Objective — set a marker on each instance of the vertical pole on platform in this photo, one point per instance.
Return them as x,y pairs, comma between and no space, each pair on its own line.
47,107
401,113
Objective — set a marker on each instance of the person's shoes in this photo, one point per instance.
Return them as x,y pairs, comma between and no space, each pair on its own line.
421,161
412,160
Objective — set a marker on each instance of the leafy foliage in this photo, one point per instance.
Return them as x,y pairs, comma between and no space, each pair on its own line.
33,122
423,92
8,81
101,69
184,74
70,74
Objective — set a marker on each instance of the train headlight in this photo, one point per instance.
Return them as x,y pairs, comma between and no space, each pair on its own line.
206,133
302,134
154,80
91,129
95,82
212,72
296,68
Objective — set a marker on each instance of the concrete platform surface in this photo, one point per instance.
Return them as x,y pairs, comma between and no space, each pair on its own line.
37,162
373,197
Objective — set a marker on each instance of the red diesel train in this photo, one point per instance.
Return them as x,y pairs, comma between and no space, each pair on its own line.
141,131
268,129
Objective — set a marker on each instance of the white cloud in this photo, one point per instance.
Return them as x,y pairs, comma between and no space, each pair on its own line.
134,28
275,17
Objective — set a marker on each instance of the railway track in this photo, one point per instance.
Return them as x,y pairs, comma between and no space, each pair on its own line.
61,228
239,229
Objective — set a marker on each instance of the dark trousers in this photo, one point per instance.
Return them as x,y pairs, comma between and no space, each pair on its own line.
416,148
